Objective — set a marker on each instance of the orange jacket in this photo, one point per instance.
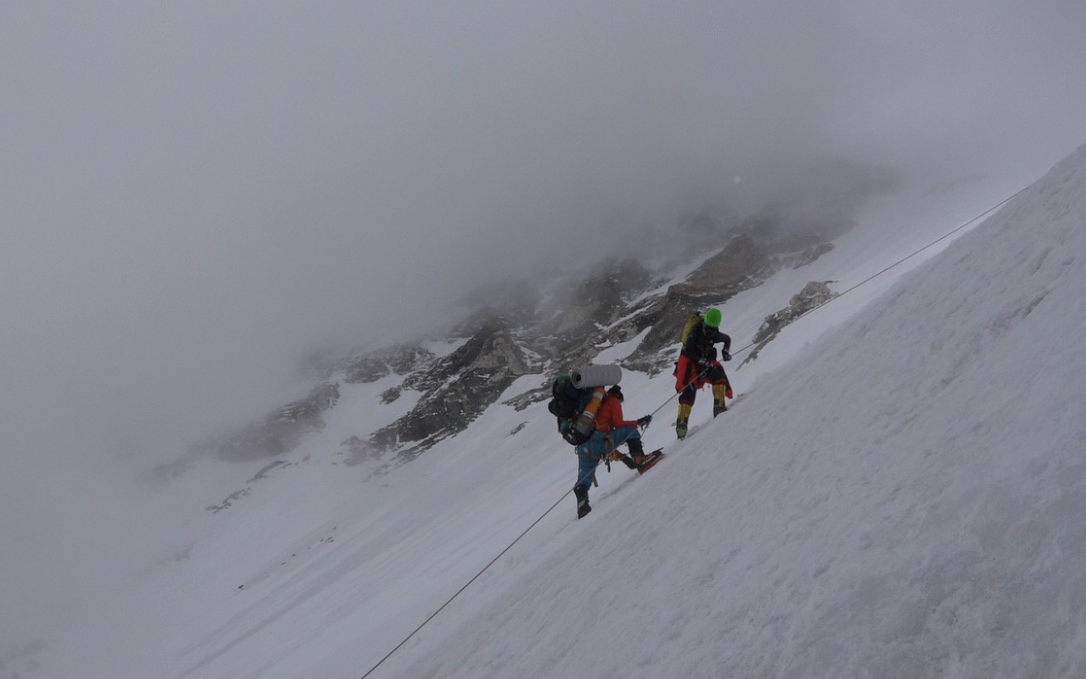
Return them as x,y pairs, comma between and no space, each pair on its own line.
609,416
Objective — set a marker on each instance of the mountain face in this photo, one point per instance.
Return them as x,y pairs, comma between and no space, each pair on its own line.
456,390
898,492
812,296
530,329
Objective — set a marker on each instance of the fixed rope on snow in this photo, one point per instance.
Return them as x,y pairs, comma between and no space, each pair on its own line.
748,346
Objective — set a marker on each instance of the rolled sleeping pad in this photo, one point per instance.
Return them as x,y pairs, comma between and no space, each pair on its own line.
595,376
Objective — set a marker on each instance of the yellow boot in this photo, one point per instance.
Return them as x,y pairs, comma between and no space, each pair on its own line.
684,419
720,392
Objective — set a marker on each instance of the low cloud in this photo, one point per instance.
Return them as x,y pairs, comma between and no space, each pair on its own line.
194,195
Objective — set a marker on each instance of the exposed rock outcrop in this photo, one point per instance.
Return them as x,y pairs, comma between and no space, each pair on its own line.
581,322
372,366
812,296
531,328
457,389
742,264
280,431
356,451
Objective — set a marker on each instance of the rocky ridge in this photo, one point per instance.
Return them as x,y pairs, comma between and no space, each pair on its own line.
529,330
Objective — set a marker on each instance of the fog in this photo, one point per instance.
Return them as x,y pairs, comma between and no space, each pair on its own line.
193,195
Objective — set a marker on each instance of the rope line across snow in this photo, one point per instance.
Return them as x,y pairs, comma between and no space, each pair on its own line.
903,259
742,349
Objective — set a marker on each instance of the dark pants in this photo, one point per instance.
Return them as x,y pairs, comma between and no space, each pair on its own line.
690,378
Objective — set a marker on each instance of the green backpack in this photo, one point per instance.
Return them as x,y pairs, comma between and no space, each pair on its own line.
688,327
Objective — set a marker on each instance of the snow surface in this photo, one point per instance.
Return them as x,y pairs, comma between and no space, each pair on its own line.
899,491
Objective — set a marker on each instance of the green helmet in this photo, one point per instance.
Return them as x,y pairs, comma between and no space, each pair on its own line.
712,318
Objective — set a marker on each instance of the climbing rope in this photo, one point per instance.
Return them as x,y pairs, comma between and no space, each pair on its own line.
466,585
738,351
901,261
693,380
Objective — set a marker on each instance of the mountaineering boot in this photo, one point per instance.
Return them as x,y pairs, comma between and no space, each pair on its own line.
624,459
642,461
684,418
720,392
650,459
583,508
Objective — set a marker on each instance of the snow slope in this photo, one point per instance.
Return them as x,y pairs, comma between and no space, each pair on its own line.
907,501
901,495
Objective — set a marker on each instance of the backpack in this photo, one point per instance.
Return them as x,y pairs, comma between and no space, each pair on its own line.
688,327
567,403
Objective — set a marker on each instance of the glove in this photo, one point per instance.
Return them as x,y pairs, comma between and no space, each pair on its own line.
725,356
644,421
704,362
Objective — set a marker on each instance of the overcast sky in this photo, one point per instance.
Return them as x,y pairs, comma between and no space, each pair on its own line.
193,193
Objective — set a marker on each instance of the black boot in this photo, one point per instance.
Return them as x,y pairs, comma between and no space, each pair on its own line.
583,508
637,452
626,460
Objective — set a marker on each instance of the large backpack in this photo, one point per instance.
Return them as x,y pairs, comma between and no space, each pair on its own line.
688,327
567,403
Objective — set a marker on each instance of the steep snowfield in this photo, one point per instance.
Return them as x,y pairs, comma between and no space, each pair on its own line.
906,501
898,492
